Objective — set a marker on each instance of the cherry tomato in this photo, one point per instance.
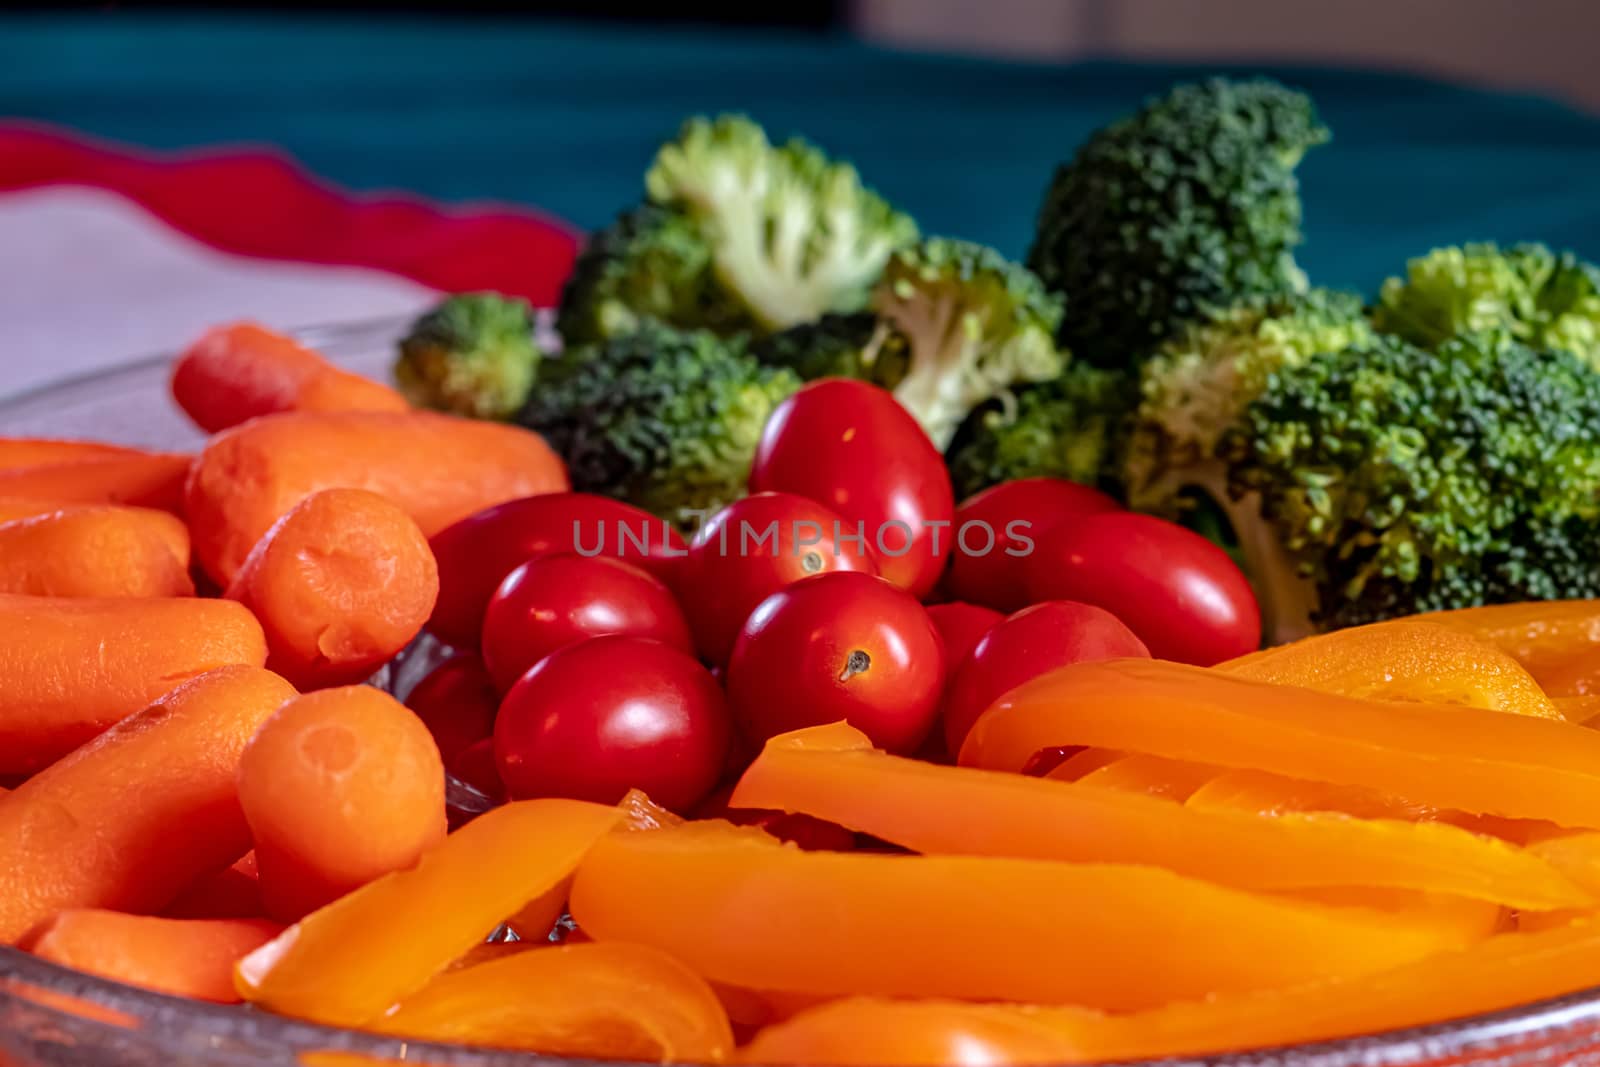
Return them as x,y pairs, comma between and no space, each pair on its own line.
475,766
851,446
751,549
456,702
996,531
595,719
1179,592
1021,647
558,600
838,646
479,551
960,626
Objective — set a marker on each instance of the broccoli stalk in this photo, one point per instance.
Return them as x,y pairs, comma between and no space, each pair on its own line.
664,419
792,234
975,324
1189,205
473,355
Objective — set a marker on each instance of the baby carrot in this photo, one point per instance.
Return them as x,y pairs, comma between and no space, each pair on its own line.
340,584
435,467
184,957
339,786
69,668
96,551
241,370
38,451
131,818
344,964
145,479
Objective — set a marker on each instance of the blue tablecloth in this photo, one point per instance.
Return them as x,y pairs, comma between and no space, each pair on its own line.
565,117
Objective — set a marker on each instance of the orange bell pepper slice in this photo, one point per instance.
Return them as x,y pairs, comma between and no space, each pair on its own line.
743,909
1557,641
1501,972
1167,778
350,961
602,1001
834,773
1484,762
1403,660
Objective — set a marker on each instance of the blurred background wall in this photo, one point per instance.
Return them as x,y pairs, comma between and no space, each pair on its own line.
1548,46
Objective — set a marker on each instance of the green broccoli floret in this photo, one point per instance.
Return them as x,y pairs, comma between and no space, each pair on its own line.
859,345
650,263
1189,205
1391,479
665,419
1200,380
1542,298
976,324
1070,427
793,234
474,355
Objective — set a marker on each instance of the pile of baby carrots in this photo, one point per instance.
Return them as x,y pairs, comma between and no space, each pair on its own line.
1378,828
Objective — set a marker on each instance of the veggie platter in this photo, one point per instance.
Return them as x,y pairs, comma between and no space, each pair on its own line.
841,645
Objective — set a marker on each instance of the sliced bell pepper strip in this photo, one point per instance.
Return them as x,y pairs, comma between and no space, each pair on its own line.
1151,775
601,1001
832,772
350,961
1084,762
1451,757
741,908
1405,659
1557,641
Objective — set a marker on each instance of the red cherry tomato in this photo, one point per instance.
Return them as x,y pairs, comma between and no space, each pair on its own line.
457,703
475,766
960,627
751,549
1179,592
996,530
593,720
1021,647
559,600
479,551
838,646
851,446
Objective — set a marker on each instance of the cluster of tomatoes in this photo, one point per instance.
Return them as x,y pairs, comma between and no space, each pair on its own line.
610,654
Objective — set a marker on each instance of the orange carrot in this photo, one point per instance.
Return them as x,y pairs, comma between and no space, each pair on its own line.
23,507
349,962
131,818
145,479
340,583
69,668
96,551
241,370
38,451
184,957
231,893
438,469
339,787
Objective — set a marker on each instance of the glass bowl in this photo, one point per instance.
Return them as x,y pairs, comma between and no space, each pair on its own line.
54,1017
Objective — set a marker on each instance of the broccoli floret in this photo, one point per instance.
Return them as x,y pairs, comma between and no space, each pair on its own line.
665,419
793,234
1195,386
474,355
859,345
1070,427
1542,298
1393,479
1189,205
650,263
976,324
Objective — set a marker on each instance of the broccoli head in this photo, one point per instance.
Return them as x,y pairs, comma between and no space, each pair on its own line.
792,234
1393,479
650,263
474,355
1200,380
975,324
664,419
1542,298
1189,205
1070,427
860,345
